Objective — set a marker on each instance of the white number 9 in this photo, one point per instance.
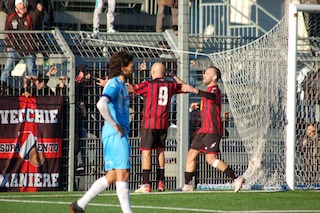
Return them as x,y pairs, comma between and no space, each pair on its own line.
163,96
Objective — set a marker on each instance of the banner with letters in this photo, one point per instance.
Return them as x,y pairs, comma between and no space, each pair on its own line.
31,143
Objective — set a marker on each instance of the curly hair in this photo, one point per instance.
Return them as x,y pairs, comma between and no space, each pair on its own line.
118,60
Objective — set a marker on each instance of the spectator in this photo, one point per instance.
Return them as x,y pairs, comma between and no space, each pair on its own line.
20,19
209,134
47,6
48,21
310,154
157,95
31,6
110,16
3,16
82,81
310,88
37,86
61,87
162,4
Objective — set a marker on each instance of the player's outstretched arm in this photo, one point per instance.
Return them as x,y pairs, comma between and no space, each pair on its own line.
189,88
178,80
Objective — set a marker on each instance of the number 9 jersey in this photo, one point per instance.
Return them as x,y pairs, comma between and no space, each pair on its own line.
157,95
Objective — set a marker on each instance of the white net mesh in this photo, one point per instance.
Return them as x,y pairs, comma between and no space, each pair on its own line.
255,81
308,81
254,78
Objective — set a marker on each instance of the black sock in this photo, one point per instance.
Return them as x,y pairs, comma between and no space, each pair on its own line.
230,173
160,174
145,176
188,177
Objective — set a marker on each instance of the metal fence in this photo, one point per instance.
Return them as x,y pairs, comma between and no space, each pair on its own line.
82,150
219,17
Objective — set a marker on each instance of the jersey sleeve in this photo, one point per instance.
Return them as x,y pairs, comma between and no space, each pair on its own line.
177,88
141,89
215,94
111,90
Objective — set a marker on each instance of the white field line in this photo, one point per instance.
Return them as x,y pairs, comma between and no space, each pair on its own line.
80,193
156,207
9,198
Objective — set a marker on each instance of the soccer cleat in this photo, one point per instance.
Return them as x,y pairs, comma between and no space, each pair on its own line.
74,208
161,186
185,188
238,183
144,188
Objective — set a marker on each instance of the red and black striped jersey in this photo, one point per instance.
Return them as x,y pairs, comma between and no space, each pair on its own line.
210,110
157,95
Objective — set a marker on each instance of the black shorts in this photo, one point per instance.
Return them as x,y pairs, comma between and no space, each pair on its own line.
152,138
208,143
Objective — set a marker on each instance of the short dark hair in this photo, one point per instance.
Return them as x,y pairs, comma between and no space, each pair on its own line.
118,60
82,68
218,72
174,27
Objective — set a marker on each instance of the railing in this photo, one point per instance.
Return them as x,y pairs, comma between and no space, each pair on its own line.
68,50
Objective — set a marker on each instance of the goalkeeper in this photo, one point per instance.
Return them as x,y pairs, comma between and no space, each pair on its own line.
207,138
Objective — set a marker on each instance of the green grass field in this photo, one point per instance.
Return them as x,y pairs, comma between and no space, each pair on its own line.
201,201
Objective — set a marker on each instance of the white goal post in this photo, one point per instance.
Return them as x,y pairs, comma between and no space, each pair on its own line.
291,85
260,80
264,82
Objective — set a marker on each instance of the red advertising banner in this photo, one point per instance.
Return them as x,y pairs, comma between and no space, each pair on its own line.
31,143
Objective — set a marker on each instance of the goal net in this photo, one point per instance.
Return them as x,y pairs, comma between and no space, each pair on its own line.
255,80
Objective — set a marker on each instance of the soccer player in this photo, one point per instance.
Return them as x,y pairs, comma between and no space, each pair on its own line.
207,138
114,108
157,95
